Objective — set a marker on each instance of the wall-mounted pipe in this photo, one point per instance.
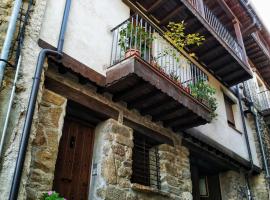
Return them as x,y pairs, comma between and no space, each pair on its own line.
9,37
264,159
18,65
247,141
10,103
245,128
32,103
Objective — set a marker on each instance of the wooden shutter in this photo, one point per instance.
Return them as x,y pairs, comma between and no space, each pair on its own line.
229,110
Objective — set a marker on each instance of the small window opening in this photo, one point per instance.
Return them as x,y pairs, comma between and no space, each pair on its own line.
145,163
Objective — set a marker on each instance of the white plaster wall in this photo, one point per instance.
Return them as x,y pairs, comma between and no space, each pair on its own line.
88,38
221,132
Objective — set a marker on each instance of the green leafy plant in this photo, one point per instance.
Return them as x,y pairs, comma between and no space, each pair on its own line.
134,36
177,36
205,93
174,76
52,195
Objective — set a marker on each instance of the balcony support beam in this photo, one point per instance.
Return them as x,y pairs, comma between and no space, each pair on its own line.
155,6
172,14
240,40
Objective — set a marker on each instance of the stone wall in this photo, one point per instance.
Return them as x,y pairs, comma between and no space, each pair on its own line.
30,53
45,145
259,184
232,184
113,168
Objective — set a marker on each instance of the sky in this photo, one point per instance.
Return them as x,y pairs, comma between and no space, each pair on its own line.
263,10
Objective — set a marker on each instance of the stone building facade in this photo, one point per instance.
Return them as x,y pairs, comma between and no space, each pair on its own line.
115,125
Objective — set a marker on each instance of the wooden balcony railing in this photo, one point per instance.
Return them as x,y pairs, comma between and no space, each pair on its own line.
264,98
218,27
137,36
261,100
261,44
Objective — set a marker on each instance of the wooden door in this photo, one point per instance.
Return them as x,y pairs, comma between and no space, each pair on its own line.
72,172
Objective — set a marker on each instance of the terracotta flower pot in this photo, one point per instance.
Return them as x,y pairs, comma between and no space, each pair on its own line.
132,52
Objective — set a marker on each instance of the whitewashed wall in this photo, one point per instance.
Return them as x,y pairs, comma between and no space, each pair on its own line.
222,133
88,38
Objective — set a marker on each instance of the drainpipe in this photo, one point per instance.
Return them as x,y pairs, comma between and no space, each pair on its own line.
245,129
32,103
259,135
8,39
18,66
247,142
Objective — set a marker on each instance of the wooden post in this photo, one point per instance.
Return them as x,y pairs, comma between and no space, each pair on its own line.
200,7
240,40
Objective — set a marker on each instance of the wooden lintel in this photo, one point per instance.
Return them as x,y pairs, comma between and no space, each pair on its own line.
60,88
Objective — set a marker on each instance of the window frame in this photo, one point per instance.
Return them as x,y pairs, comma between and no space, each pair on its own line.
229,111
146,177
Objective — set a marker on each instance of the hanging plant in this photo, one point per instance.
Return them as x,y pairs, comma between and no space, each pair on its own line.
205,93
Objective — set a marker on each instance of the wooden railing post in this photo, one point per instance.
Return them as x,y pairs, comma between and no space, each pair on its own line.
240,40
200,6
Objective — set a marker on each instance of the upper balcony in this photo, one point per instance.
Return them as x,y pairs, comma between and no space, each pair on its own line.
259,54
155,83
260,99
222,54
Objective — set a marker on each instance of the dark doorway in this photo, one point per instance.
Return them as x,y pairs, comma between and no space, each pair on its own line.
205,182
72,172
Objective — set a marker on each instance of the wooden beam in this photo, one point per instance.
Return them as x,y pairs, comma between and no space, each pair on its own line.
212,51
172,114
182,120
227,9
160,107
155,6
219,61
226,69
240,40
233,76
58,86
131,93
172,14
147,99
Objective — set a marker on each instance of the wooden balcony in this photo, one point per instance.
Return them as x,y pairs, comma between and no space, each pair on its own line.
261,100
264,99
259,55
221,53
155,84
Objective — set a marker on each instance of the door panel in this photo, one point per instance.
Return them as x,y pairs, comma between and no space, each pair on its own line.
72,172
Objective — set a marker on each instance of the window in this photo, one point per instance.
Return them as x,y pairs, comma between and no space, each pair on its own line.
229,111
203,186
145,165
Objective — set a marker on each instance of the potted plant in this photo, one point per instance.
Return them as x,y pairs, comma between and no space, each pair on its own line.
133,38
204,93
176,35
52,195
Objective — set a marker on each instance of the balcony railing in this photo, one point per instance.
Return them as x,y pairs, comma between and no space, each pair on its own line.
139,37
264,98
261,100
261,44
218,27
